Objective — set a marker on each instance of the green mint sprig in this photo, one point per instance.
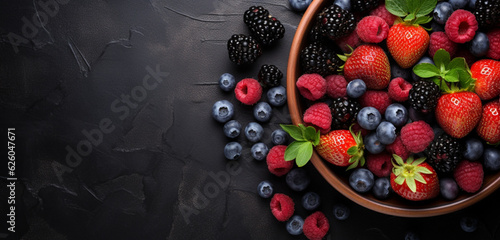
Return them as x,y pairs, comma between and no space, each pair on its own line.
411,11
302,148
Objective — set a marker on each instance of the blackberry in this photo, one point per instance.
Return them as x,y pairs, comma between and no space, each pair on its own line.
318,58
315,35
487,13
270,76
335,22
266,28
344,112
424,96
243,49
444,153
363,5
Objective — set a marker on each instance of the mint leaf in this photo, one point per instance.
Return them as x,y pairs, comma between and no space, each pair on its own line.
441,58
294,131
422,7
452,76
316,140
310,133
305,153
422,20
458,62
292,150
466,80
426,70
397,7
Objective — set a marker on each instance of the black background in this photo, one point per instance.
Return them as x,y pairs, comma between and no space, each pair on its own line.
144,178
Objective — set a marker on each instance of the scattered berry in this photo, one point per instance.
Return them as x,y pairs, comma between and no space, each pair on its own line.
377,99
254,131
277,96
320,59
336,22
310,201
398,148
262,112
282,207
336,86
491,159
232,150
448,188
379,164
461,26
297,179
270,76
372,29
350,41
344,112
473,149
382,12
444,153
295,224
442,12
480,45
386,132
487,13
266,28
341,211
372,144
382,188
361,180
265,189
319,116
468,224
469,176
472,4
299,6
311,86
396,114
416,136
344,4
457,4
399,72
369,118
364,5
316,226
248,91
222,111
232,129
424,96
243,49
227,82
259,151
440,40
355,88
494,48
279,137
276,161
399,89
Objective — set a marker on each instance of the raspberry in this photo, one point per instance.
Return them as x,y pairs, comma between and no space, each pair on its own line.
351,40
276,161
494,38
381,11
440,40
416,136
469,175
320,116
372,29
377,99
248,91
465,53
356,128
311,86
398,148
316,226
399,89
282,206
336,86
461,26
379,164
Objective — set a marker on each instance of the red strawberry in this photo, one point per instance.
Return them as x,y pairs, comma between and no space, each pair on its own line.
407,43
342,148
489,125
414,180
370,63
458,113
487,75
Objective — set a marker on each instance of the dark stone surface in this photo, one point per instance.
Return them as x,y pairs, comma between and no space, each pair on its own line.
153,168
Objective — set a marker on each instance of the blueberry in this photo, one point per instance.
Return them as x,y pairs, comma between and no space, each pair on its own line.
310,201
279,137
382,188
222,111
458,4
341,211
259,151
294,225
262,111
356,88
436,27
232,150
442,12
397,71
369,118
473,149
232,129
227,82
492,159
424,59
277,96
254,131
265,189
372,144
396,114
411,236
361,180
297,179
480,45
468,224
344,4
448,188
472,4
299,5
386,133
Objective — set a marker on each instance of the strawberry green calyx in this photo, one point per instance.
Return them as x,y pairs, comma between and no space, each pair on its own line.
413,12
409,172
357,152
302,148
450,75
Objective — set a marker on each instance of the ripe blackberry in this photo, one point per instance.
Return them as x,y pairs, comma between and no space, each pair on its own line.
344,112
364,5
317,58
270,76
487,13
266,28
424,96
243,49
335,22
444,153
315,35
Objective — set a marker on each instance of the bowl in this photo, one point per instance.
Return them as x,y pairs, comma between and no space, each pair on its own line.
337,177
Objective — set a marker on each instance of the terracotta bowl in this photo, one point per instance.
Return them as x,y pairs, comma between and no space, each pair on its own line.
338,177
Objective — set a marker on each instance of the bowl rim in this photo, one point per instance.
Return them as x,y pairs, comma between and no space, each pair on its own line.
322,167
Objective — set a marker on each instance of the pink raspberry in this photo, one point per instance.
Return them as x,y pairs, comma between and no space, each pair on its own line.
494,38
399,89
319,115
377,99
440,40
248,91
351,40
282,206
379,164
316,226
311,86
461,26
469,176
372,29
381,11
276,163
336,86
416,136
398,148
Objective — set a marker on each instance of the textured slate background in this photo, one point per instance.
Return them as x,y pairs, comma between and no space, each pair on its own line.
149,175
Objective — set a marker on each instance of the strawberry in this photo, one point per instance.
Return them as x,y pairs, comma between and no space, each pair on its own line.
414,180
458,113
489,125
407,43
370,63
487,75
